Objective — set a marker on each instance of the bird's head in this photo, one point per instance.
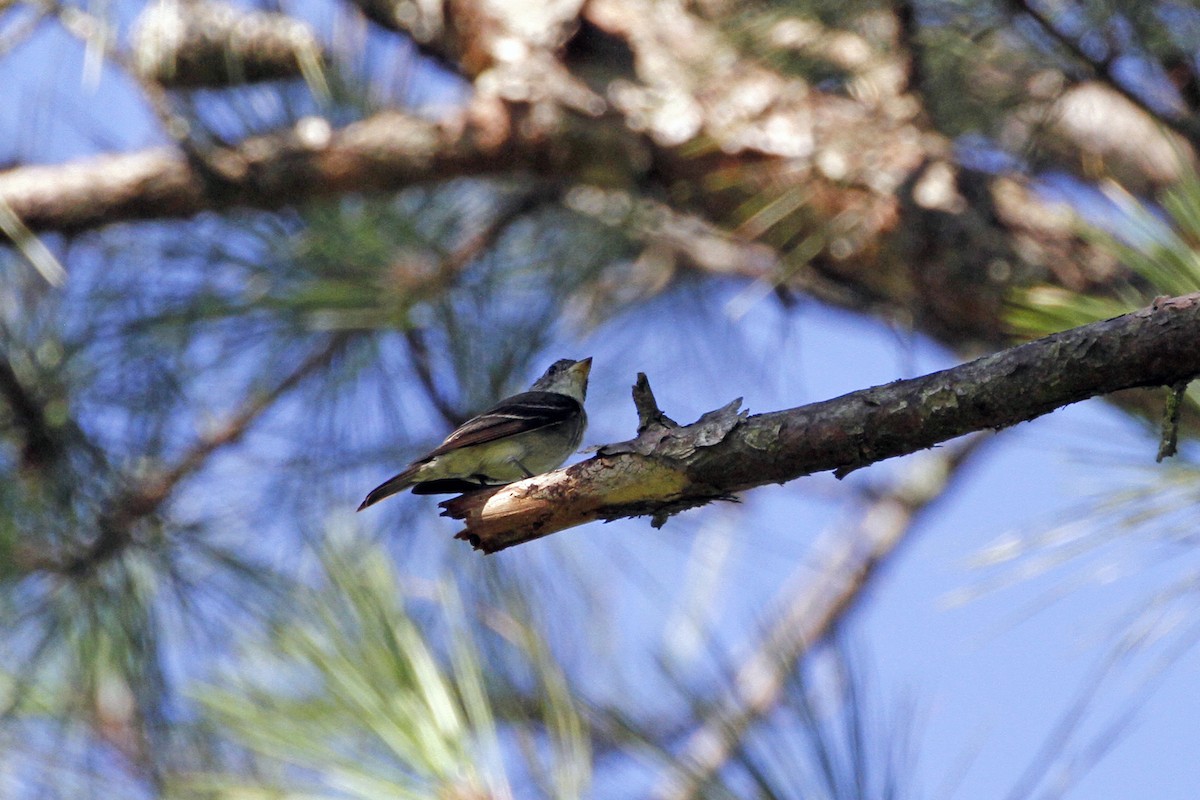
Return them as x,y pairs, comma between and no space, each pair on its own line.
565,377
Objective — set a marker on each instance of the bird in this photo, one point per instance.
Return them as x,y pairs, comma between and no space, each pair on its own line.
520,436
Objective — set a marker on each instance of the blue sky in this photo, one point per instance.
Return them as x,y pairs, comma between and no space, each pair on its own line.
989,678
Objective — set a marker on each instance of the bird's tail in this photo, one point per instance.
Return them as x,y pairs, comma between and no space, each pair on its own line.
391,486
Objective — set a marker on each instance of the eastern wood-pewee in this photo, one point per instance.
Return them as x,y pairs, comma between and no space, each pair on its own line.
519,437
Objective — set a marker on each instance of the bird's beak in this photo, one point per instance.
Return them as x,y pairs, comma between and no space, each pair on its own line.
584,367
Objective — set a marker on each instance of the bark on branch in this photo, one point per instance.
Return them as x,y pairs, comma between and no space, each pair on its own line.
215,44
669,468
387,151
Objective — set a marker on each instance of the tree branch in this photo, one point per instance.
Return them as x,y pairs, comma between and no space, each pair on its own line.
214,44
517,42
669,468
821,179
837,189
386,151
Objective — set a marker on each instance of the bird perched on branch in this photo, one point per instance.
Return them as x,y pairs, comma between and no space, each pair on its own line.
519,437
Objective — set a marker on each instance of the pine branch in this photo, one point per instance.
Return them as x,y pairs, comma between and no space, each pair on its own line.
670,468
117,523
385,152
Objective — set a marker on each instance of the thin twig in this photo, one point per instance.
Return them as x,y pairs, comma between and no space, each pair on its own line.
1168,443
39,445
909,27
453,262
423,367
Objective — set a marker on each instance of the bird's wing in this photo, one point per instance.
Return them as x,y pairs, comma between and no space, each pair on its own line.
527,411
447,486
